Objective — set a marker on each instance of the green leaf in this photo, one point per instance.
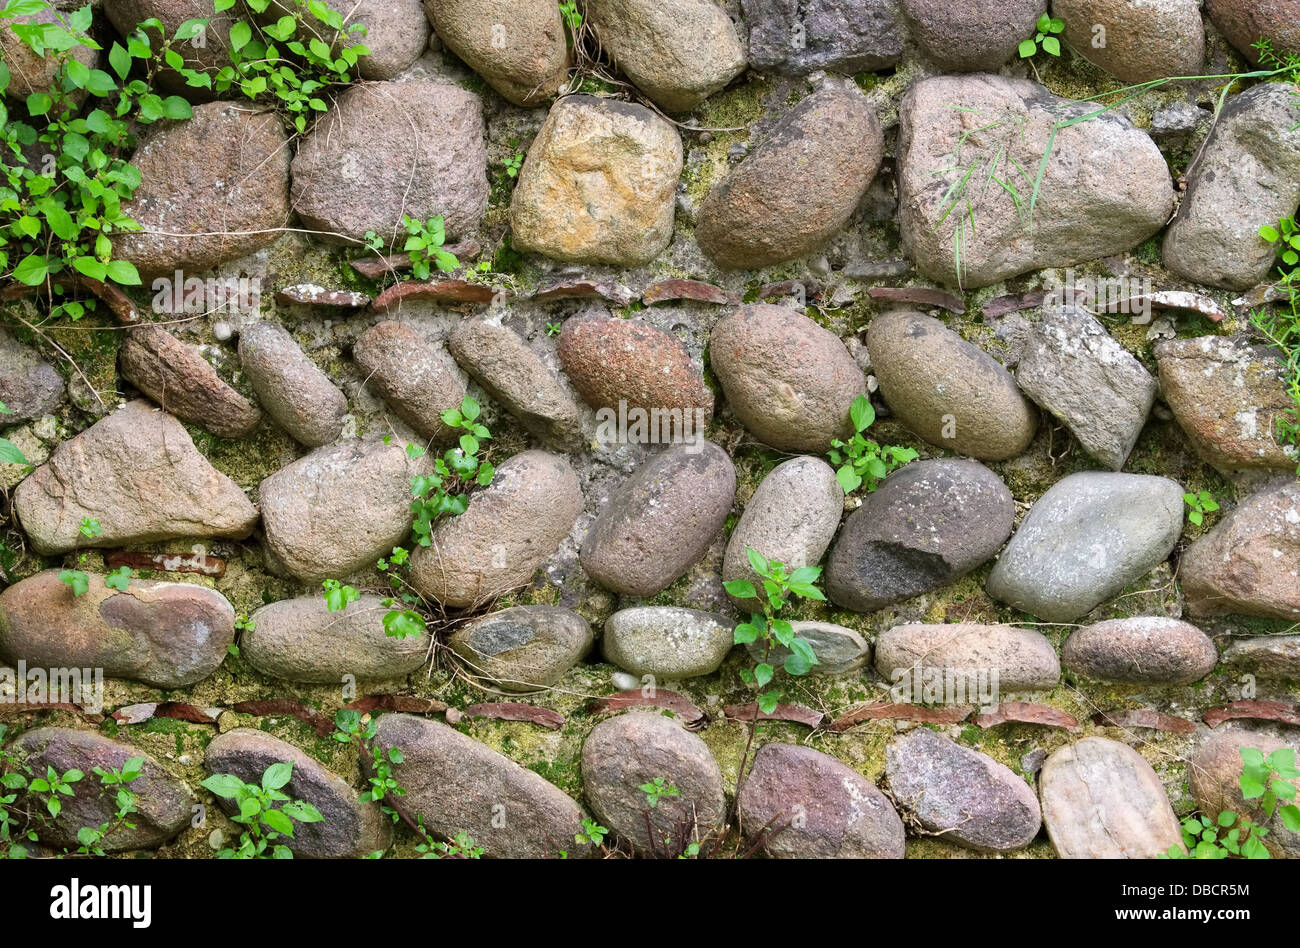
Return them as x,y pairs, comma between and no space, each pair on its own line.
1227,818
226,786
861,413
277,775
278,822
763,673
76,580
758,562
31,270
10,454
1270,234
240,34
120,60
119,579
123,272
1052,46
848,479
740,588
744,634
1027,48
38,103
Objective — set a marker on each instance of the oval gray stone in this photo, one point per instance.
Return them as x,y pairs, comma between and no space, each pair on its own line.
527,63
661,521
164,804
1023,658
963,795
167,635
843,815
290,386
459,785
338,508
350,829
839,650
416,378
621,754
927,525
1084,540
788,380
1141,650
1101,800
947,390
301,640
523,648
1268,656
511,528
667,641
29,386
791,519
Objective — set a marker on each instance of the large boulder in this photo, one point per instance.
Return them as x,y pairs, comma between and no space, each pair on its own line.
511,528
804,804
624,753
164,804
349,829
661,521
949,391
790,520
1247,175
799,187
678,52
598,184
167,635
1228,396
975,37
798,37
788,380
1136,42
519,46
1084,540
388,149
458,785
1101,800
960,794
213,189
138,473
290,386
1080,374
927,525
180,380
301,640
1249,563
338,508
1105,188
1246,22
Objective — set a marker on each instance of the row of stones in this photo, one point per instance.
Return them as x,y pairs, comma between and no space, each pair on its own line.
1097,798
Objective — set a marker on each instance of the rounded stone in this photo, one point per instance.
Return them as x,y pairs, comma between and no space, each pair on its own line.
947,390
1092,534
960,794
1245,22
926,526
1101,800
667,642
661,521
1141,650
511,528
623,753
1136,42
523,648
301,640
167,635
788,380
350,829
841,814
518,46
977,37
791,520
798,188
290,386
415,378
1023,658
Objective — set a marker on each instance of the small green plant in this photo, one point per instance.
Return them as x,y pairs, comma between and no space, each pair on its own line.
53,786
1286,238
424,241
860,461
338,596
90,528
75,580
14,822
657,789
572,16
767,629
1270,780
591,834
264,810
461,847
554,328
91,838
1198,505
10,452
512,165
119,579
1045,38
